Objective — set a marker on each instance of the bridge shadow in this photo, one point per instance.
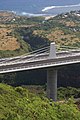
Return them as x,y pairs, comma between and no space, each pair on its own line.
69,76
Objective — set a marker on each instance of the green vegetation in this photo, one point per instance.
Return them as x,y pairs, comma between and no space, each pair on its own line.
17,103
30,33
66,93
63,29
63,93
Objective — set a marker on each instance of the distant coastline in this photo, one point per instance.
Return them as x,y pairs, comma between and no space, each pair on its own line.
55,7
39,8
26,14
49,11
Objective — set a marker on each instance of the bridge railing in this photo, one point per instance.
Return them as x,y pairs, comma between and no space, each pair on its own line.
68,48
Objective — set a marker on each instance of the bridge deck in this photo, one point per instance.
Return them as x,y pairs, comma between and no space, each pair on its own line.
38,61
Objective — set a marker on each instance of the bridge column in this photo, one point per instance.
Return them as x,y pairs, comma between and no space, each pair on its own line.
52,75
52,84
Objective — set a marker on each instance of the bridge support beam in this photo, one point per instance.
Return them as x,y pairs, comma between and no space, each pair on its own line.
52,84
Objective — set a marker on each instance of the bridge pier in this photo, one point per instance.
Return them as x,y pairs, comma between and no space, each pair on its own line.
52,84
52,76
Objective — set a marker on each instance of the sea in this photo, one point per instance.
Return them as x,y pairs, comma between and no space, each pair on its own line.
39,7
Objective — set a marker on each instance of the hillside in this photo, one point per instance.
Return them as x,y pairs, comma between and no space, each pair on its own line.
8,42
17,103
64,29
20,34
11,43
